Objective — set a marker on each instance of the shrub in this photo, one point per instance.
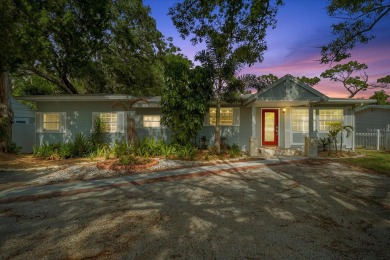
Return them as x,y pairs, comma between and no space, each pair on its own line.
98,130
66,150
187,152
47,151
82,146
132,160
120,148
234,151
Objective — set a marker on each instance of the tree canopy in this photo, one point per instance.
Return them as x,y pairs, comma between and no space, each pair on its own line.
353,77
381,97
186,98
359,17
105,46
234,32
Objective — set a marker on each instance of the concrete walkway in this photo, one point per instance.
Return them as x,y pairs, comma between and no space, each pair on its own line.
29,193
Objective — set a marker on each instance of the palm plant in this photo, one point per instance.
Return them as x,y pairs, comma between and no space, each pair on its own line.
337,127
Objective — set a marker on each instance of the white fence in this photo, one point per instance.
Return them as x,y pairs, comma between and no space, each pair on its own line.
374,140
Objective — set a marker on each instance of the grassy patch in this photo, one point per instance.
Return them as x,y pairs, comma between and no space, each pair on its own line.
377,161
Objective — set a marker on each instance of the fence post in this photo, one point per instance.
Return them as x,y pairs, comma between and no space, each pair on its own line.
378,138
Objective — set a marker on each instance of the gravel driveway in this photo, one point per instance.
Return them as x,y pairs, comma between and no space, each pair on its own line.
320,209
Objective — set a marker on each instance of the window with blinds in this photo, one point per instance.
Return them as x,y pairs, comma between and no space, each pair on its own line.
151,121
226,117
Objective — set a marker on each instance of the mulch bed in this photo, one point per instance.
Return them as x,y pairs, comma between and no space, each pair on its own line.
112,164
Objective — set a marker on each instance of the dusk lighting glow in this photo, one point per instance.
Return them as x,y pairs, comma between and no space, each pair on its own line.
293,47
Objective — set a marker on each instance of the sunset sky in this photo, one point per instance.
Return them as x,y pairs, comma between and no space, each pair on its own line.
303,26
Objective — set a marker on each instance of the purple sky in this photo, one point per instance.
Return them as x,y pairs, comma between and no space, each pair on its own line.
303,25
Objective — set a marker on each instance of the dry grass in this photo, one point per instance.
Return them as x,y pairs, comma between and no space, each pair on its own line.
26,161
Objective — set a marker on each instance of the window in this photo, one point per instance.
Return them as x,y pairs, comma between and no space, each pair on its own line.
152,121
300,120
326,116
226,116
51,121
110,121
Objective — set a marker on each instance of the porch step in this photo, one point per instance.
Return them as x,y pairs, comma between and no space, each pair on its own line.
277,151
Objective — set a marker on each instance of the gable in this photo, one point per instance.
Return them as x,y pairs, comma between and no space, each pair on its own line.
288,89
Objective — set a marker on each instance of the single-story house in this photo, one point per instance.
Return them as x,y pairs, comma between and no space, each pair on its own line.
280,116
23,126
372,117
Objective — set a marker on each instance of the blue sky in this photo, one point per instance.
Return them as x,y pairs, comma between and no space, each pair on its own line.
303,26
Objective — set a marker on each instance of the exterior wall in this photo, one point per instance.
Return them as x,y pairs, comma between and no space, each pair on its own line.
372,118
296,140
238,134
79,120
23,128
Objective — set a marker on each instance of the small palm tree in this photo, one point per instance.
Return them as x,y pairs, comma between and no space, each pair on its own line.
337,127
132,136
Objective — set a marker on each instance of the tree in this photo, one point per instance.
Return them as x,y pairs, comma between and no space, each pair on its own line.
263,81
234,32
186,98
252,81
85,46
309,81
346,74
131,130
381,97
359,18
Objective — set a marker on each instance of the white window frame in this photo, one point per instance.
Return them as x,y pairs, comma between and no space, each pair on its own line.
319,120
39,122
303,121
213,112
119,121
111,124
151,121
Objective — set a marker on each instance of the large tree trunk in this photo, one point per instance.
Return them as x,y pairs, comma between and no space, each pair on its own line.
68,84
6,116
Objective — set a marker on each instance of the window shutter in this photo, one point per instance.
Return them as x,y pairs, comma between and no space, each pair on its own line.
121,122
62,122
236,116
38,122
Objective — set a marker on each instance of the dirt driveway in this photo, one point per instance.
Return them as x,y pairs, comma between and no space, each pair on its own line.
321,209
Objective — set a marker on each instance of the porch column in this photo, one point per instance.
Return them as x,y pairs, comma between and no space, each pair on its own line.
254,123
254,143
312,141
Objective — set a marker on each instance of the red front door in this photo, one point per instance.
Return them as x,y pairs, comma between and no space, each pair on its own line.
269,127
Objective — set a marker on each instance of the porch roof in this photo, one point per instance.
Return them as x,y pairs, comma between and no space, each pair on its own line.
289,89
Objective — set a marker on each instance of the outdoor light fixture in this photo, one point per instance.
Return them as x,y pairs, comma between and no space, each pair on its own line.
284,109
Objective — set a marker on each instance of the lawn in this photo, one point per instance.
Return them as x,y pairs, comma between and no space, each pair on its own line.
377,161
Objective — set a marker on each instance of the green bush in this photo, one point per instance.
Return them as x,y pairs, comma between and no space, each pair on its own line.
98,132
47,151
187,152
132,160
66,150
82,146
234,150
120,148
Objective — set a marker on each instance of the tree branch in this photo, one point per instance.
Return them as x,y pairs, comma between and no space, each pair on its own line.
49,78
